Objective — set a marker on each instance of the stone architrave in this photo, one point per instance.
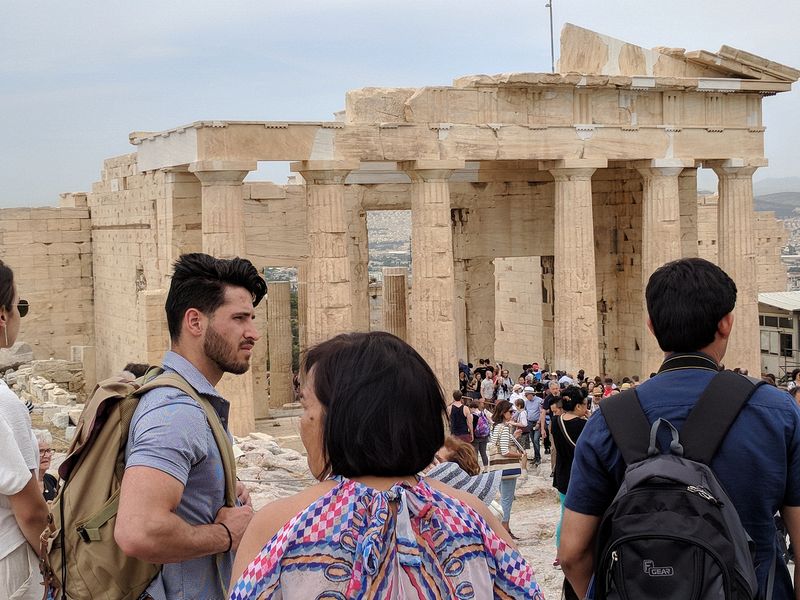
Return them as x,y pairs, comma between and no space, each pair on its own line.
575,332
223,237
280,343
432,291
661,237
329,304
737,257
394,301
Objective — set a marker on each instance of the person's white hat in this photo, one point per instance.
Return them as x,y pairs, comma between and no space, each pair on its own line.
528,390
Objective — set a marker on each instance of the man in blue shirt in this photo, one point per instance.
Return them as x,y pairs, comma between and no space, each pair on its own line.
689,305
172,502
533,407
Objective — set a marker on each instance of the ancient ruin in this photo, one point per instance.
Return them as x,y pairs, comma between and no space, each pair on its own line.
539,202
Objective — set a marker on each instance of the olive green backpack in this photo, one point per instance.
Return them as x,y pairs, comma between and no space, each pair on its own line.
80,558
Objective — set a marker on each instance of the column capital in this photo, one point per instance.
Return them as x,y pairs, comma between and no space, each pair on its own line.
222,172
736,168
430,170
573,169
322,172
662,167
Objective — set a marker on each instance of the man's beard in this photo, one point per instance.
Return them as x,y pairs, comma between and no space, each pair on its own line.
218,350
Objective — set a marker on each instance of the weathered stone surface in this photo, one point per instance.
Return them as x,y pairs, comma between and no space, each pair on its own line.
18,354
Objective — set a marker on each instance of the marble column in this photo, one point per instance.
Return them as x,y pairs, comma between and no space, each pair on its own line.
576,340
432,291
329,304
358,247
661,239
223,237
302,305
737,257
395,285
258,364
279,330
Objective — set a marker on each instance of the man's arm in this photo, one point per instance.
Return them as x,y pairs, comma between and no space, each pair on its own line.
791,518
147,527
30,511
576,551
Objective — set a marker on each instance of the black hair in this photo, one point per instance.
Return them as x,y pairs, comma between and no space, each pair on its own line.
500,410
199,281
572,397
457,395
794,391
137,369
6,286
686,299
384,408
794,374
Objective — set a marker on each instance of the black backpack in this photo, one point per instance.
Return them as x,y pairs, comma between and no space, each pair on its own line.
671,531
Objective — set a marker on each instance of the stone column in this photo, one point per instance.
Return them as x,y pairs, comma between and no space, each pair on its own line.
279,330
258,364
302,305
432,291
661,238
223,237
737,257
358,247
329,301
394,301
576,340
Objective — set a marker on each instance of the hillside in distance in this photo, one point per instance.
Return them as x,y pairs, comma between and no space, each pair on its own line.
784,204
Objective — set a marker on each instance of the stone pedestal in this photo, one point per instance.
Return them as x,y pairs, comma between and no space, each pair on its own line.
329,308
394,301
279,330
661,239
576,343
223,237
432,291
737,257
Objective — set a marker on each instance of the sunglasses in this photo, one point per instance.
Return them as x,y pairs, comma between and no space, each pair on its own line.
23,307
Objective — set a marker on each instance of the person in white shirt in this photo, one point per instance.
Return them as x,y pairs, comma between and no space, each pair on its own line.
23,511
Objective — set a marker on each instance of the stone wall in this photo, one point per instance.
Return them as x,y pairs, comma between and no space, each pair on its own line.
770,237
129,264
50,251
519,337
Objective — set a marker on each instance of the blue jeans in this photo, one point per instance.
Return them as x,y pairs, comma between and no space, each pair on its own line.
507,488
536,435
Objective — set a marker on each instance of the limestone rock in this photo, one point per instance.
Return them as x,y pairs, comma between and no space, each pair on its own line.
18,354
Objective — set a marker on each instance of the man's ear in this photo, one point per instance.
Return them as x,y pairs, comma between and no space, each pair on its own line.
650,327
194,322
725,326
3,317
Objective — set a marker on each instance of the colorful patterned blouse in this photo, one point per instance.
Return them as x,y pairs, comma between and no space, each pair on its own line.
404,543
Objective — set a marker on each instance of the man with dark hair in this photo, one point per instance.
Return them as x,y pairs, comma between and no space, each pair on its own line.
689,304
172,502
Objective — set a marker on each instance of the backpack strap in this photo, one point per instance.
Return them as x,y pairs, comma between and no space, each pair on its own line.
714,413
628,425
220,435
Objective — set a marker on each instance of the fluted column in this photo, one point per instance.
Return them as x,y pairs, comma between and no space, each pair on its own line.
661,238
432,292
574,290
737,257
394,301
279,330
223,237
329,305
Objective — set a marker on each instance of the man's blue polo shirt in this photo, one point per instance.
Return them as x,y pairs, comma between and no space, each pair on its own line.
170,432
758,462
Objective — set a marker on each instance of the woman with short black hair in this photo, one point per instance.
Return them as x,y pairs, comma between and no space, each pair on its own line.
372,419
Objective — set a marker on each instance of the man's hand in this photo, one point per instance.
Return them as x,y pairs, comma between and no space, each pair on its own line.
243,494
791,518
236,519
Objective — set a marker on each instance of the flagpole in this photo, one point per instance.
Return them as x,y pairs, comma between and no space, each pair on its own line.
552,46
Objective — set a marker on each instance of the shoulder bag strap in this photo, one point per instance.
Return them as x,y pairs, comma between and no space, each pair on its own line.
628,425
564,429
714,413
220,435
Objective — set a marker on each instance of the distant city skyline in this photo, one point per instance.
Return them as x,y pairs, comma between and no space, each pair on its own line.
77,78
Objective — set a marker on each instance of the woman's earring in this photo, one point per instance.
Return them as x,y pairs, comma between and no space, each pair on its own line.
5,333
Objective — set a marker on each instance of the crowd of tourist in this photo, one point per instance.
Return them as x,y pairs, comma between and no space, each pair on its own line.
401,509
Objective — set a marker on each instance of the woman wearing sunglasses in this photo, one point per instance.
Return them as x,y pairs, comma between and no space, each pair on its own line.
23,511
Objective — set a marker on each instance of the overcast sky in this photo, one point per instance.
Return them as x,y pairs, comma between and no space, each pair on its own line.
77,77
